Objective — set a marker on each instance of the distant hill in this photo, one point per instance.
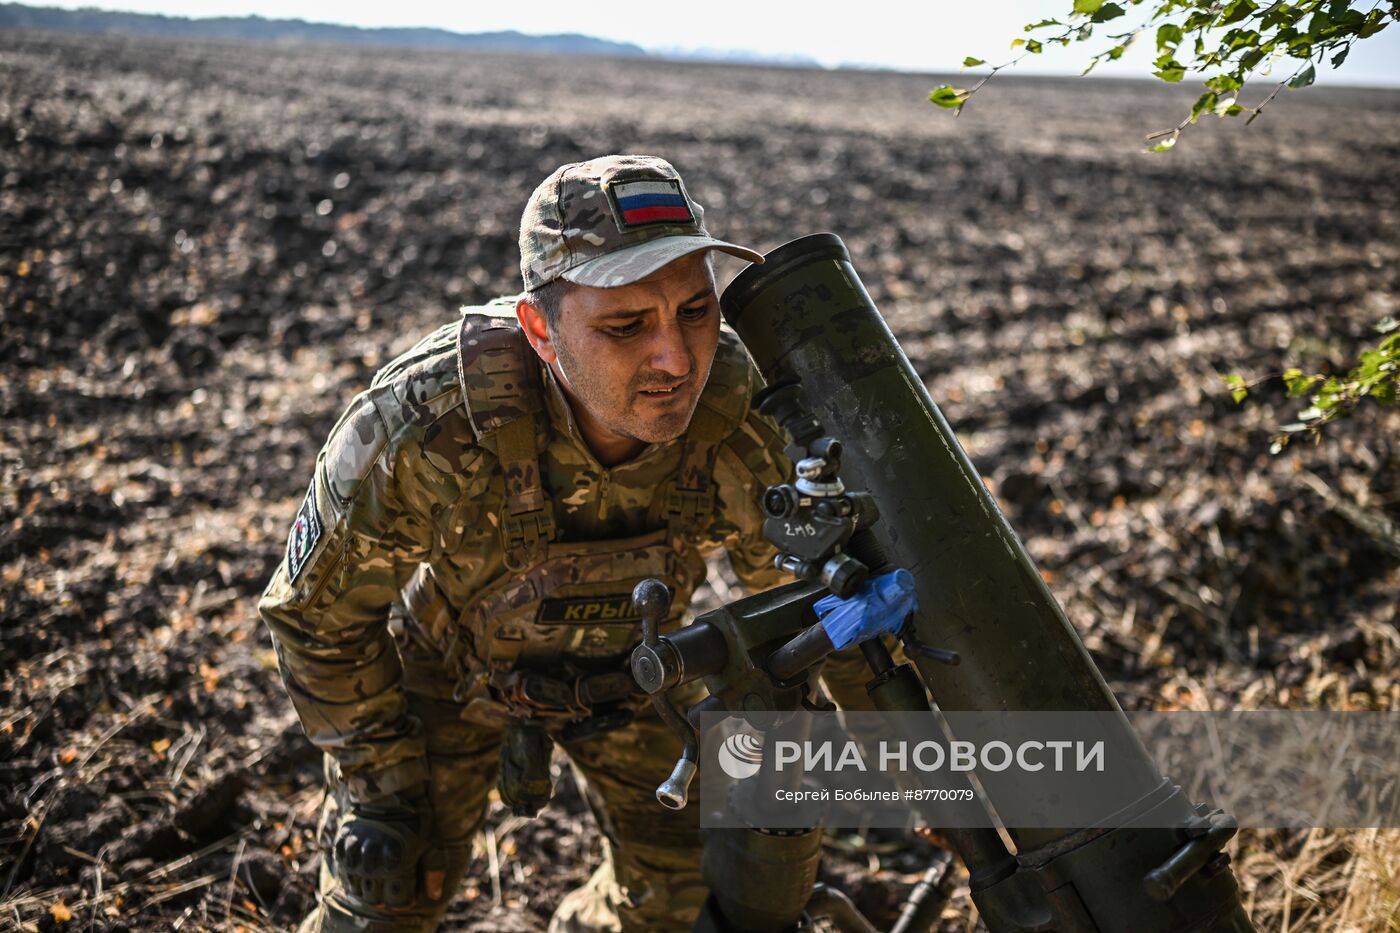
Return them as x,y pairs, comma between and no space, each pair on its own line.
256,28
735,56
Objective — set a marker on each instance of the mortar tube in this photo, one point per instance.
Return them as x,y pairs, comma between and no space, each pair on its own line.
806,318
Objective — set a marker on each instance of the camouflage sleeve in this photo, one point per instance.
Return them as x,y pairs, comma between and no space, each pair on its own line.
749,461
352,543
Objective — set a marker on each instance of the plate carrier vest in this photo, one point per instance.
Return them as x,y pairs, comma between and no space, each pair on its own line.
551,637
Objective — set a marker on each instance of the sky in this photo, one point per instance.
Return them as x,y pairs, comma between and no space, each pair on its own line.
909,35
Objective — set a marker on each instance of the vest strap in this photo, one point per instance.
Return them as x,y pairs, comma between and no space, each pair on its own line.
503,406
690,494
688,505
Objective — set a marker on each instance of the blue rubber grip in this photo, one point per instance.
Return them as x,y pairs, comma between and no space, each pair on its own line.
880,608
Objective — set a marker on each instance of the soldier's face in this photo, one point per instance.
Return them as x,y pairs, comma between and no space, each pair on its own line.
634,359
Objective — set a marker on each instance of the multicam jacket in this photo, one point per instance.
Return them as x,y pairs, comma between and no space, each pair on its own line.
428,476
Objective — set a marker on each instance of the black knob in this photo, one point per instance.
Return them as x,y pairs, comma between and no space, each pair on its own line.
779,501
651,599
829,449
844,575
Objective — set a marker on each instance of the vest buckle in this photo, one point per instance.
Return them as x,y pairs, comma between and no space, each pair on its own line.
521,533
536,694
689,507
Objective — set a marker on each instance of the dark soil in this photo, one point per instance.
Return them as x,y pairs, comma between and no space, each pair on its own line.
206,250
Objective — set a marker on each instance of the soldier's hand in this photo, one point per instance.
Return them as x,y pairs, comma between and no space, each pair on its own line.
378,850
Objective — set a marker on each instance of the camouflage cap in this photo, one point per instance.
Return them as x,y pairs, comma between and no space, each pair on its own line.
611,221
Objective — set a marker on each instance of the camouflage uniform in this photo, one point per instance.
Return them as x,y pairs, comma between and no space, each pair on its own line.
468,493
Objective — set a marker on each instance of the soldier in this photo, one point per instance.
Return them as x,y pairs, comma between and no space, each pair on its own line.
506,482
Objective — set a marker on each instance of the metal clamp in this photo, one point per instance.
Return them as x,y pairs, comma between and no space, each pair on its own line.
688,506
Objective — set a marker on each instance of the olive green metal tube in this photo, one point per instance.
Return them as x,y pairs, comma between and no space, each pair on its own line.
761,879
805,317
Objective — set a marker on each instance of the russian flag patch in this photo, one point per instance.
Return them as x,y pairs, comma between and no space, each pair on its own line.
650,201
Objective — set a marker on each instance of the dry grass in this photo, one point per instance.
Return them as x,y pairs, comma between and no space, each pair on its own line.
1321,880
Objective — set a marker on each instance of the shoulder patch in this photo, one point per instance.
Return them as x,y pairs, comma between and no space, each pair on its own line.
306,531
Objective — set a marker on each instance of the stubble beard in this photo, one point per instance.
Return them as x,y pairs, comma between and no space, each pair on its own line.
626,422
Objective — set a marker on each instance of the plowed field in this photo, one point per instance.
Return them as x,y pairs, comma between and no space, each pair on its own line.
207,250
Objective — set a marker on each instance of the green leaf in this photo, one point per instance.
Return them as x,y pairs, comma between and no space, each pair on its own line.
1017,43
1349,17
1340,57
1087,7
1033,47
1298,382
1164,145
1319,24
1237,39
1172,73
1304,77
1203,103
1224,84
1238,390
1278,15
1168,34
1107,12
1236,11
1374,24
1198,19
971,62
948,97
1042,24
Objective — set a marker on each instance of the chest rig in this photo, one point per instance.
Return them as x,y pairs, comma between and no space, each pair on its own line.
550,637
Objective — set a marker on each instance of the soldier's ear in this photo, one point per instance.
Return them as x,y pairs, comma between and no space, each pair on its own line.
532,321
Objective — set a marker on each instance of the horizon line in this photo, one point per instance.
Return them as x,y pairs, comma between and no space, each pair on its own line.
695,55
